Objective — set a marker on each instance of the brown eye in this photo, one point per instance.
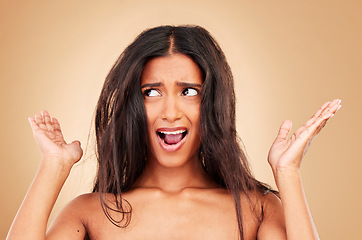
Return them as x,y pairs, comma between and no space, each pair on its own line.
190,92
151,93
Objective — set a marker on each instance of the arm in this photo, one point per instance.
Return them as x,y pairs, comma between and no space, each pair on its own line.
57,159
285,157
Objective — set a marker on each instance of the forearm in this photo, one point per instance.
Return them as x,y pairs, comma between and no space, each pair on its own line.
298,219
32,217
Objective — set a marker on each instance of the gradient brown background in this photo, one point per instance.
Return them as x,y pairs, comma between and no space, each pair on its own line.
287,57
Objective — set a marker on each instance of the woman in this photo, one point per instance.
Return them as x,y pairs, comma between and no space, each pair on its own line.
170,164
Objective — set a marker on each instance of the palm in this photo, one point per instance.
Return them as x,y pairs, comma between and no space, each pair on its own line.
287,153
50,140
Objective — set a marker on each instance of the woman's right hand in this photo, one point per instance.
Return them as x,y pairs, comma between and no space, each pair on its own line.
58,157
49,138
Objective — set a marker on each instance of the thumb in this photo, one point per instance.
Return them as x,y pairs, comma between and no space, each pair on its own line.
78,149
284,130
77,143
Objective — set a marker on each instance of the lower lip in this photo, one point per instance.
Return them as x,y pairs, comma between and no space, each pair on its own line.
173,147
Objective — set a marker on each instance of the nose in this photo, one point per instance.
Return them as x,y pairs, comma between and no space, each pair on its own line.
171,109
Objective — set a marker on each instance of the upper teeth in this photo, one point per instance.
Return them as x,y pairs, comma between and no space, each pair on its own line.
175,132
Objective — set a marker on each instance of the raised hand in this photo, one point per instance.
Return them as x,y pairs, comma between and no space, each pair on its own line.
287,153
49,138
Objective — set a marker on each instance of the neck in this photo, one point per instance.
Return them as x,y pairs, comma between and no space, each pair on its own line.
175,179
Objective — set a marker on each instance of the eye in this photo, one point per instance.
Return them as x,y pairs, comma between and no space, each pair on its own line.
190,92
151,93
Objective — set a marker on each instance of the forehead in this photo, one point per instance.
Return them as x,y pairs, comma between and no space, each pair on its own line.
175,67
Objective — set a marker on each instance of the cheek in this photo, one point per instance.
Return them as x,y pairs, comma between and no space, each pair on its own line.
196,110
196,120
152,113
193,113
148,115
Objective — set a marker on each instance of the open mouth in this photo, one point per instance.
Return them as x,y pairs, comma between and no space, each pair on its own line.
172,137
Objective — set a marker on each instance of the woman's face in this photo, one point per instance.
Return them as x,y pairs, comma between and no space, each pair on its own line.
171,86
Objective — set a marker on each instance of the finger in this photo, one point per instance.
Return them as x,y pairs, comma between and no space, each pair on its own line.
57,129
336,101
33,124
321,121
40,122
284,130
323,108
324,112
319,128
317,114
323,124
48,124
328,113
333,107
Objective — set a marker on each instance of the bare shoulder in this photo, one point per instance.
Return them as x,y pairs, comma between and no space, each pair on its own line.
71,220
86,198
273,223
271,205
82,204
263,204
85,201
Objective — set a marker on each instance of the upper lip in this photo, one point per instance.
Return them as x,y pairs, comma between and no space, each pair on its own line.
171,130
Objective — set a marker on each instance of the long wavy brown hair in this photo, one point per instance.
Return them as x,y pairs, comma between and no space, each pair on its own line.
120,120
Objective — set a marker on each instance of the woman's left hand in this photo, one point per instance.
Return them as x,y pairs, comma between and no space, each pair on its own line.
286,154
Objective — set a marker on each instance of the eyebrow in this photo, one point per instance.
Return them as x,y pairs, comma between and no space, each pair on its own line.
181,84
151,85
185,84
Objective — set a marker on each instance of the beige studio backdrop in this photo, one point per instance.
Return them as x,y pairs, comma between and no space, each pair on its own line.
288,57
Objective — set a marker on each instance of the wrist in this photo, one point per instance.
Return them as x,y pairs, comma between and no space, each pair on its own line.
286,176
282,172
53,165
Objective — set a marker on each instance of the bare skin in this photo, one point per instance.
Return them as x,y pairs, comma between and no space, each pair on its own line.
171,199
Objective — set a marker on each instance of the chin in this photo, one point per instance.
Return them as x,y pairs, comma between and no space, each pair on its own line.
173,160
